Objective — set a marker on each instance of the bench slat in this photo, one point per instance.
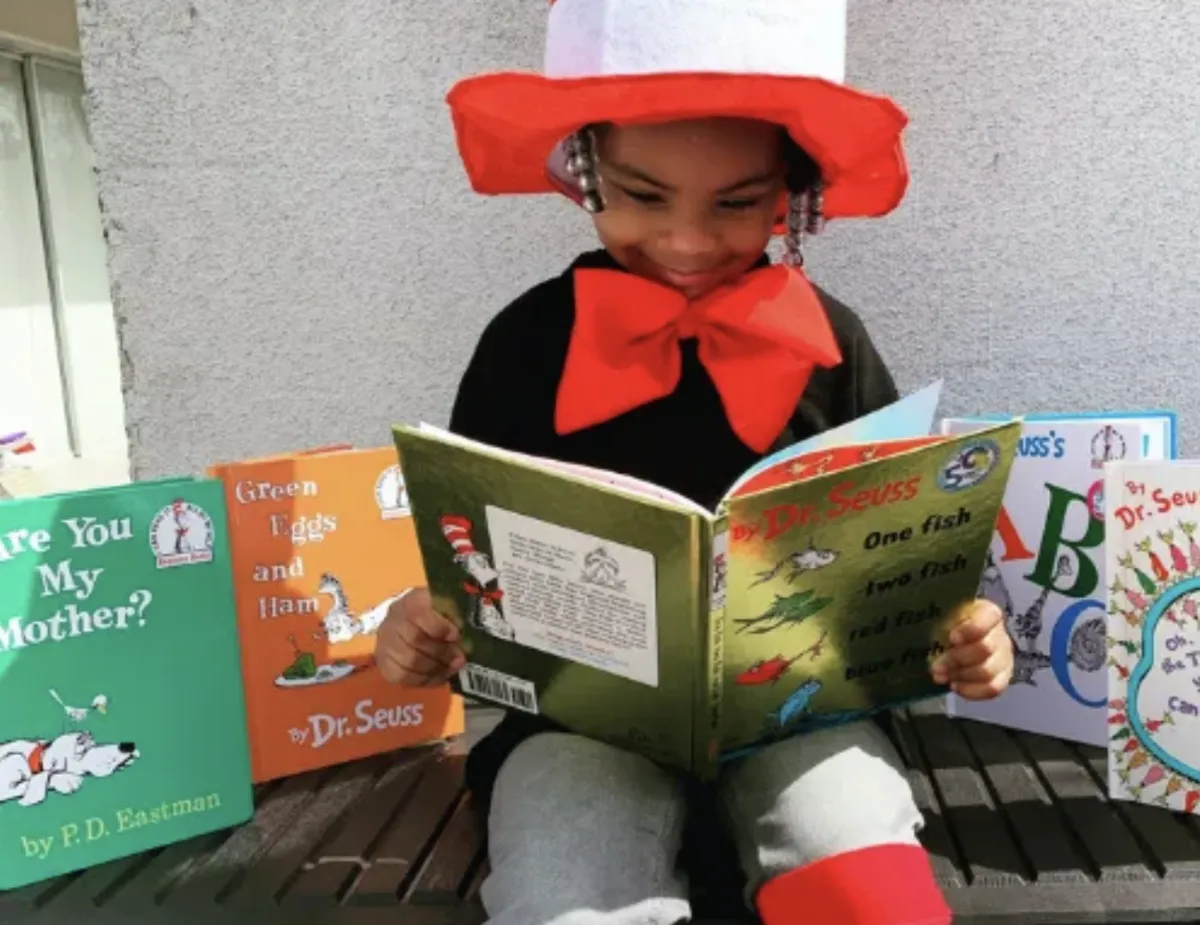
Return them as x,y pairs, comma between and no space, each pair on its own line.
268,875
935,835
992,857
203,882
1028,806
408,840
1172,844
1114,854
446,875
338,863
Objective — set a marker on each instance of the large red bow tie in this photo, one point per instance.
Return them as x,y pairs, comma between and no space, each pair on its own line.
759,341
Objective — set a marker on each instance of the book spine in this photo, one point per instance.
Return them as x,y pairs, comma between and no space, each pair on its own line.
708,720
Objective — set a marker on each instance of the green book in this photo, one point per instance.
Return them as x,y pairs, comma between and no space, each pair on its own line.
124,727
818,592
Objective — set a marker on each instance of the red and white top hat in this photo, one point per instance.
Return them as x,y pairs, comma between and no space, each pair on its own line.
637,61
457,531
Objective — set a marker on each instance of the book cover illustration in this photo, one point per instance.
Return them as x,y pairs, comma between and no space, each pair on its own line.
579,597
1045,571
322,544
840,592
124,727
1153,597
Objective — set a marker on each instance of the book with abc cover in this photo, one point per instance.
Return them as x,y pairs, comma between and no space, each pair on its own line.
817,593
1045,569
322,543
124,724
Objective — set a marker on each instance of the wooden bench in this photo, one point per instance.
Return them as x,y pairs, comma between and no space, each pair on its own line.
1018,826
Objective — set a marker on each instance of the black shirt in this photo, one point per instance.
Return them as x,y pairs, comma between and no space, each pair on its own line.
682,442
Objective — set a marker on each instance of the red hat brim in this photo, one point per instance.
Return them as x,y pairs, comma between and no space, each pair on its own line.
508,123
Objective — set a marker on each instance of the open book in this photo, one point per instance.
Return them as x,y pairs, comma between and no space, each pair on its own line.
818,592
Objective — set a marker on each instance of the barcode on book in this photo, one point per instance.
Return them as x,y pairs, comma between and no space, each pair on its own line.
495,685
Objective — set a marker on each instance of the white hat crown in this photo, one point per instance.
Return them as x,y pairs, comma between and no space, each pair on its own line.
607,38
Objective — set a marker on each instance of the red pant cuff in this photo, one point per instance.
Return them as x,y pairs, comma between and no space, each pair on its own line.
884,885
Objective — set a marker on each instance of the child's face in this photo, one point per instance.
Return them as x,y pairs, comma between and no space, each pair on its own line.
690,204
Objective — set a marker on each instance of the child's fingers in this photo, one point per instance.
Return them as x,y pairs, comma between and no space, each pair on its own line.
979,618
993,649
438,650
974,653
413,668
993,667
395,669
985,690
431,624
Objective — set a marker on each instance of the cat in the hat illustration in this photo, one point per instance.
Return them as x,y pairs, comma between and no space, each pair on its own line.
485,612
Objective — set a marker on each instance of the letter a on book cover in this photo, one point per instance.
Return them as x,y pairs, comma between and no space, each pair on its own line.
322,544
123,727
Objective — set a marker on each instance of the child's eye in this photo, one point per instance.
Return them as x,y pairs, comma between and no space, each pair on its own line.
738,205
645,198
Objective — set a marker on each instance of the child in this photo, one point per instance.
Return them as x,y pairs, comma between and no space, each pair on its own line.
679,354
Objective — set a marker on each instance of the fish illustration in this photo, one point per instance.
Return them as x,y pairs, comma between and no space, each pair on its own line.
784,611
1026,664
770,670
798,703
805,560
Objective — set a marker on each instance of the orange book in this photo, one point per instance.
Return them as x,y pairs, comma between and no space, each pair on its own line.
322,542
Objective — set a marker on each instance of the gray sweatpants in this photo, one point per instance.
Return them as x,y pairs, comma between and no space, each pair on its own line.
581,833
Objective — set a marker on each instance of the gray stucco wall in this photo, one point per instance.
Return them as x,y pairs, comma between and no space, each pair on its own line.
297,257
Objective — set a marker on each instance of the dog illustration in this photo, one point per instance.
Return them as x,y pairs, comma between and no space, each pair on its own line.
31,768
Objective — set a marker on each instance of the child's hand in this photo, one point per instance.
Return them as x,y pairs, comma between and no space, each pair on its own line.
979,663
415,645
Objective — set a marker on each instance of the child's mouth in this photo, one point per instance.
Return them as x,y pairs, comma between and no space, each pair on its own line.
687,281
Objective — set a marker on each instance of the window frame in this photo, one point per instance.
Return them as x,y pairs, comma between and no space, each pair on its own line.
77,468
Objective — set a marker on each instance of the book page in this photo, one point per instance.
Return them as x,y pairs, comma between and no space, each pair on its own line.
826,462
911,416
626,484
576,596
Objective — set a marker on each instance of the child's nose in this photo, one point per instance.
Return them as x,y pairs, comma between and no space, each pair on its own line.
690,240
